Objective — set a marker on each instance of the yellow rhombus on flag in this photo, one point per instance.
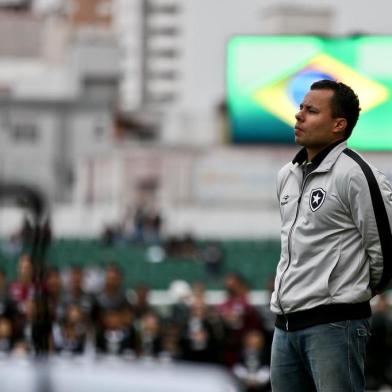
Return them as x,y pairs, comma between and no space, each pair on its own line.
274,97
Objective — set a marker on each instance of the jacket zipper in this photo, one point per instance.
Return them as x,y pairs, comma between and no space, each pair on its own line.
289,250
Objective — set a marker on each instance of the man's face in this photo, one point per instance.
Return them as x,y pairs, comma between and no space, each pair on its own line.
113,278
315,127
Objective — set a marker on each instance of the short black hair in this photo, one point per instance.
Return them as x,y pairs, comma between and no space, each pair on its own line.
113,266
344,103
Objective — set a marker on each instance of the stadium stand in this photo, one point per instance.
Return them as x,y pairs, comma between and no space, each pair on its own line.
255,260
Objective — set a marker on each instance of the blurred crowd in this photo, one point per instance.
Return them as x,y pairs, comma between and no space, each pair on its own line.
117,321
140,226
121,321
144,227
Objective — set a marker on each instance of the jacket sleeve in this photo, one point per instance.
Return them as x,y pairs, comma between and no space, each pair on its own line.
281,179
370,198
279,190
279,182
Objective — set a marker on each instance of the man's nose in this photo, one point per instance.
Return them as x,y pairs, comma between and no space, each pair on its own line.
299,115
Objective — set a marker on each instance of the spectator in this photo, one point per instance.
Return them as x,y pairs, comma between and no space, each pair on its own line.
198,290
181,295
111,235
6,335
138,224
211,315
213,257
199,343
112,296
172,246
189,247
150,335
22,288
239,316
253,368
117,335
54,292
171,336
70,334
379,358
24,328
75,293
21,293
182,247
152,227
140,300
7,306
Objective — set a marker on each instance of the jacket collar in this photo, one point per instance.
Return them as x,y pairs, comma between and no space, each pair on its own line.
327,156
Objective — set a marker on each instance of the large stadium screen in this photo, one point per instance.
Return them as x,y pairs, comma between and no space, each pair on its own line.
268,76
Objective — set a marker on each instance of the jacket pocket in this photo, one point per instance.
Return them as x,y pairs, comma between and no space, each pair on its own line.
331,281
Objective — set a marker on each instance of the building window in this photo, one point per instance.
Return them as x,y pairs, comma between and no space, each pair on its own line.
99,131
169,31
161,97
170,75
24,133
163,8
168,53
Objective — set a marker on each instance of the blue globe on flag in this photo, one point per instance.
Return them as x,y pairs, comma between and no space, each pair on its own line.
300,83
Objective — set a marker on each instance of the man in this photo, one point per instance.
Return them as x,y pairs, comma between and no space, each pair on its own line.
336,252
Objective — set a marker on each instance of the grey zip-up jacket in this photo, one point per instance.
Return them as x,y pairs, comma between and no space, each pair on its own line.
336,248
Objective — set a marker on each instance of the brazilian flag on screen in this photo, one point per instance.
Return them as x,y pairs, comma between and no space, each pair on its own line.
268,76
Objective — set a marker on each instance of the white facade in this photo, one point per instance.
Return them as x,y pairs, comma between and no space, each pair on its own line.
203,27
128,27
204,188
54,112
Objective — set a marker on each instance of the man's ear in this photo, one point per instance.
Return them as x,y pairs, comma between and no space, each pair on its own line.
340,125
